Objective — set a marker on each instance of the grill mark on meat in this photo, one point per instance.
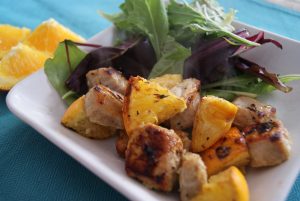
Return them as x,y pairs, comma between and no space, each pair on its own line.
152,151
222,151
160,178
275,137
252,107
265,127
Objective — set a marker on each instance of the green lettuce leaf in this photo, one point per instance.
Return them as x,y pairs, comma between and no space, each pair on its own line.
172,59
202,17
244,85
58,68
145,17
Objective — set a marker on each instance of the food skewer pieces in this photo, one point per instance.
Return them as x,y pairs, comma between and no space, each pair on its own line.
153,156
108,77
104,106
76,119
251,111
188,89
148,102
213,119
230,150
267,138
192,176
228,185
268,143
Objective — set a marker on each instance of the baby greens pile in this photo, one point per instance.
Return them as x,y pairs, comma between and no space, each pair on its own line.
193,39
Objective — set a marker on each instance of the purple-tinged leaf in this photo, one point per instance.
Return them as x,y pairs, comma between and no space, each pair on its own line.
260,39
133,57
210,59
260,72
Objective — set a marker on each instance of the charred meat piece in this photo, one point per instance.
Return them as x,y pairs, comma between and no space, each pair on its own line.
189,90
108,77
104,107
192,175
251,111
121,143
153,156
268,143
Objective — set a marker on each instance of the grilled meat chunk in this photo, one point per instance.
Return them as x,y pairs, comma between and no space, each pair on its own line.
108,77
153,155
192,175
268,143
189,90
251,111
104,107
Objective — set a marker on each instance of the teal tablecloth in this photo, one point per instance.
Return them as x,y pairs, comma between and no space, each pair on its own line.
33,169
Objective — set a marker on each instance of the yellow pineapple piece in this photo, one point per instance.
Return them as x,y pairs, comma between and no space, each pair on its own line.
75,118
230,150
228,185
148,102
213,119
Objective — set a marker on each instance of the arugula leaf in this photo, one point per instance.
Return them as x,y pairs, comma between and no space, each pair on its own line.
246,85
61,66
172,60
202,18
145,17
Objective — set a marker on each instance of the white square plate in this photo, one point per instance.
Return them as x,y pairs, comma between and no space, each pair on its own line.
35,102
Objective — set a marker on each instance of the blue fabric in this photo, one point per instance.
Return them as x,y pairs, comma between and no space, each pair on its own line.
31,168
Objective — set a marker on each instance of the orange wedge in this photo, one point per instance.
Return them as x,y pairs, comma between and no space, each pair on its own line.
21,61
10,36
47,36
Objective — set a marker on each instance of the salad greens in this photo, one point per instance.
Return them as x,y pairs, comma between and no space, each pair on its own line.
145,17
149,18
172,60
201,18
66,58
193,39
243,85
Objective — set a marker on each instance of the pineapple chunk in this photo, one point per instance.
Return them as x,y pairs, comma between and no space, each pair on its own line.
213,119
148,102
228,185
168,80
75,118
229,150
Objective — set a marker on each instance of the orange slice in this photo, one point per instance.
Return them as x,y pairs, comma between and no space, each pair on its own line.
21,61
47,36
10,36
